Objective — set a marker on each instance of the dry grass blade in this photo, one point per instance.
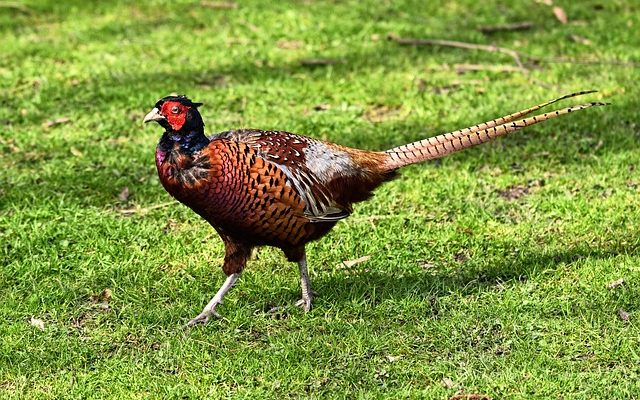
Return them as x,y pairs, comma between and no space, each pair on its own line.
351,263
56,122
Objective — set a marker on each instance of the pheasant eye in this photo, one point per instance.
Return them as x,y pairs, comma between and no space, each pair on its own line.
175,109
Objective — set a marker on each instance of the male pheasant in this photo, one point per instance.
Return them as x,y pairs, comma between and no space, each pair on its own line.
273,188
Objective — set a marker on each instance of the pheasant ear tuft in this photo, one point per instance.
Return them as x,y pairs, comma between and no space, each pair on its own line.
181,98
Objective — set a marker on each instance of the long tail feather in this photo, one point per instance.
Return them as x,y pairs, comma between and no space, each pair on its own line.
450,142
514,116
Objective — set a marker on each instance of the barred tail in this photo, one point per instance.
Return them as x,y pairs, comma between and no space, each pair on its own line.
450,142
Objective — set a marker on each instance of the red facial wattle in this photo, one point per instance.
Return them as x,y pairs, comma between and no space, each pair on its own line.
175,113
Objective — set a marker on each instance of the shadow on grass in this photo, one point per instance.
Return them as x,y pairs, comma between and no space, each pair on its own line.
375,287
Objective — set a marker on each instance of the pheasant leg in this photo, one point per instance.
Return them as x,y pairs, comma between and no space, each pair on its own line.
210,309
305,284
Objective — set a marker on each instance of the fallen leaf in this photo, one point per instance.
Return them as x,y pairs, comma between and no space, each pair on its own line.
124,194
560,14
615,284
56,122
351,263
623,314
289,44
391,358
220,5
75,152
37,322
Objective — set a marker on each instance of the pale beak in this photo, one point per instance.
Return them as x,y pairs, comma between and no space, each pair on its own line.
154,115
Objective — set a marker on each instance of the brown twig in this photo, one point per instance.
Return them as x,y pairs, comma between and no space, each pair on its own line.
461,45
515,26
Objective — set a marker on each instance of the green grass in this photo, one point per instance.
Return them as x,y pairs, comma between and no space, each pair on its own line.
493,296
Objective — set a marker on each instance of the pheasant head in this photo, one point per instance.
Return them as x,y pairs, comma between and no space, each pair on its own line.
177,114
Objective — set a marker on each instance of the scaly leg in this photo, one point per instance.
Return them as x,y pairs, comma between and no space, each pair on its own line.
210,309
305,284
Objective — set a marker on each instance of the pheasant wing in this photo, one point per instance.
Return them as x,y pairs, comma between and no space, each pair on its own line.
309,165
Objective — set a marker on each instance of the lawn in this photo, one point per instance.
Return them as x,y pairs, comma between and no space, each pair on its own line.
487,271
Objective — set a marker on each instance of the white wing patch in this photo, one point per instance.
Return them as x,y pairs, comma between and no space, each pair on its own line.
326,163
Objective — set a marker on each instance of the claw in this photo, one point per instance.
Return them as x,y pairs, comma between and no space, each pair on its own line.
204,316
200,319
305,303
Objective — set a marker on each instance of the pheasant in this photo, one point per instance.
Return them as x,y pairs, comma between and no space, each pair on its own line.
275,188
